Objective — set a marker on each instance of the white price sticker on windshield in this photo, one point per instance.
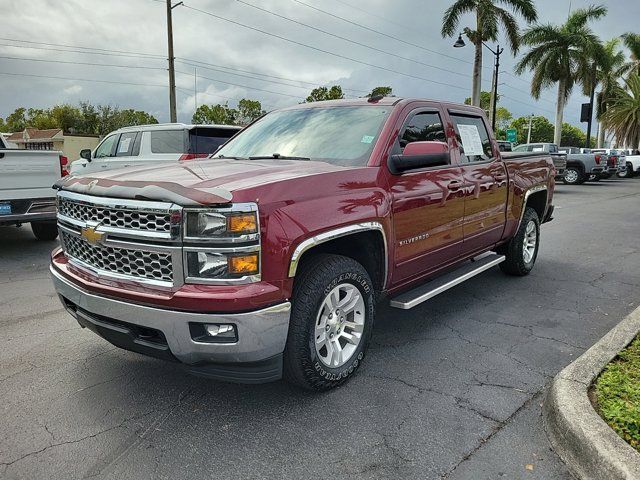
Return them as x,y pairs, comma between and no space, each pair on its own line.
471,141
124,145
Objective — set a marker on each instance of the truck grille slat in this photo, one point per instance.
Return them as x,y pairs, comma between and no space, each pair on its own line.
133,263
149,221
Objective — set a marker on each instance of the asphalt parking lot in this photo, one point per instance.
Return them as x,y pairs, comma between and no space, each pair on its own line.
450,389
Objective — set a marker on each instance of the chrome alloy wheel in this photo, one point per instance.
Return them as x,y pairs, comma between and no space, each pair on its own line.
339,325
530,241
571,176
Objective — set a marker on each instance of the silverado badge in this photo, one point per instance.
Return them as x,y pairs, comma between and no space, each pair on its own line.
91,236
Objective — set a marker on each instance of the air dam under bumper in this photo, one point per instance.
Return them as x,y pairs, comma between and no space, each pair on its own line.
255,358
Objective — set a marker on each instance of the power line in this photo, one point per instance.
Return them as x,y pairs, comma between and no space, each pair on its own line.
81,63
528,104
527,93
393,37
237,99
84,48
13,74
240,85
355,42
75,51
322,50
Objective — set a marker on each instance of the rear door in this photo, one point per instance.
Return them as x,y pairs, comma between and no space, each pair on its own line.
485,182
428,204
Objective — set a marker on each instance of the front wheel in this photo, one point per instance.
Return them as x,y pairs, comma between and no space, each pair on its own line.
46,231
627,172
522,250
333,309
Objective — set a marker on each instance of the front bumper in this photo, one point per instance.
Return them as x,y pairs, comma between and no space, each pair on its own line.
255,358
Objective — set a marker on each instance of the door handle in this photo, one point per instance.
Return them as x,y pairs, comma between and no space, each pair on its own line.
454,185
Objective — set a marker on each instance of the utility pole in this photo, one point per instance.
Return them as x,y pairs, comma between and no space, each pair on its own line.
529,133
195,87
592,94
494,92
172,71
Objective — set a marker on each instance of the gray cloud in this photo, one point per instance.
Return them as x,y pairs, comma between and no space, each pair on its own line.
140,26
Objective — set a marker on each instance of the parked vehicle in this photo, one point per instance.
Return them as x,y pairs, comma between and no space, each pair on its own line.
559,159
583,166
26,193
614,163
632,164
505,146
269,259
149,144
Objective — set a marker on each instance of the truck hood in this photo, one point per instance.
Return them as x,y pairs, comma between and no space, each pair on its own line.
192,183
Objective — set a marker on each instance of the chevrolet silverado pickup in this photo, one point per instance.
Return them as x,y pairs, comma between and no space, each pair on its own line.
559,158
26,196
268,260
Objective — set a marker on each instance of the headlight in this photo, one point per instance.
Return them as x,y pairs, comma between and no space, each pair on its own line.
239,222
220,266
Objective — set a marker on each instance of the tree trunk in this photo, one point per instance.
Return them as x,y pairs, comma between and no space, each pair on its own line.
601,132
477,75
557,135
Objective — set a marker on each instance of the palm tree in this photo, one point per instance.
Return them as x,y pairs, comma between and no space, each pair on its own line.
607,76
632,42
623,113
562,54
489,17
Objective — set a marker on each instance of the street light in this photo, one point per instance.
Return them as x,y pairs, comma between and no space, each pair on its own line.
494,90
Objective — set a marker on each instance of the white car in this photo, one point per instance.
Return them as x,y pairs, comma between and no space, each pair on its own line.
150,144
26,188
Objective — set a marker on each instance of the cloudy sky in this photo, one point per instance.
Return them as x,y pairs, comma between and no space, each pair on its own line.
114,52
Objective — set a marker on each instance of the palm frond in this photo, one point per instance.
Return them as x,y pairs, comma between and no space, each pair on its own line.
452,15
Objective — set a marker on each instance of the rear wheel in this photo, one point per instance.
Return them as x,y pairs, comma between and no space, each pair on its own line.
331,322
521,252
46,231
627,172
573,176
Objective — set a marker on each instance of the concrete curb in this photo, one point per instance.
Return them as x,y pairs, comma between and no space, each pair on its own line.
588,446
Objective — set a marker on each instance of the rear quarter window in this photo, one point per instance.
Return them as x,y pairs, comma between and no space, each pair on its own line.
168,141
208,140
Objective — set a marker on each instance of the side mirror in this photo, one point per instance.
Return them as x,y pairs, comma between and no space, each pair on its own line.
86,154
420,155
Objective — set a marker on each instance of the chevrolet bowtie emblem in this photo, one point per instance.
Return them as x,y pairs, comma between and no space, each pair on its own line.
91,236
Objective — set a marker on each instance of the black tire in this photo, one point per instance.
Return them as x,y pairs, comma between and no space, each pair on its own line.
516,263
627,172
45,231
315,280
575,176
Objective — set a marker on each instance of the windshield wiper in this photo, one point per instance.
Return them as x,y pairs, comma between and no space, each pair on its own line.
277,156
232,158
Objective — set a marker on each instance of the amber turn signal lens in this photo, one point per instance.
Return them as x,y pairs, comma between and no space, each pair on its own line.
245,264
245,223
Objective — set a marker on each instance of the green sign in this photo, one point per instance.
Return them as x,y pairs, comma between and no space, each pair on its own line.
511,134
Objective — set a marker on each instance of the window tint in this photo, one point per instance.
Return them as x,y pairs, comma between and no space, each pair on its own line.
208,140
553,148
473,139
423,127
125,145
167,141
106,147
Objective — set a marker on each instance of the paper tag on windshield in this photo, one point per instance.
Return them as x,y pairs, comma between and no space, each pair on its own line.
124,145
367,138
471,141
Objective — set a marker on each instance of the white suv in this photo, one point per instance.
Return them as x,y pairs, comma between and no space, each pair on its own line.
148,144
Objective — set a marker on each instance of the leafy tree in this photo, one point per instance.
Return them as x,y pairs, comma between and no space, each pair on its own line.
323,93
541,129
489,17
17,121
385,91
248,111
503,116
632,42
572,136
623,113
3,126
90,118
220,114
66,117
562,54
485,101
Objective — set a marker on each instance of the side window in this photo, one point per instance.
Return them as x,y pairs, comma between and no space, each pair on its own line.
168,141
553,149
473,139
423,127
105,149
125,145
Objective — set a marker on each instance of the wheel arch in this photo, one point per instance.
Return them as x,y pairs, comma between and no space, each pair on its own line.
536,198
364,242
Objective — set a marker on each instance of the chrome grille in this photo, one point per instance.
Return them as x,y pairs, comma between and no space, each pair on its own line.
141,220
132,263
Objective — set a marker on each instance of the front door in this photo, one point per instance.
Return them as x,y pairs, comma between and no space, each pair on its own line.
428,205
486,185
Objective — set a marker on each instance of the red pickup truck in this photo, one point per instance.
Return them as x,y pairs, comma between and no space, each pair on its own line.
268,259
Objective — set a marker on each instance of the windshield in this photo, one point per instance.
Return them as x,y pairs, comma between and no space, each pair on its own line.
338,135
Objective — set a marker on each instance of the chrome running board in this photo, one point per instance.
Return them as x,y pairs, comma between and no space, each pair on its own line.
441,284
